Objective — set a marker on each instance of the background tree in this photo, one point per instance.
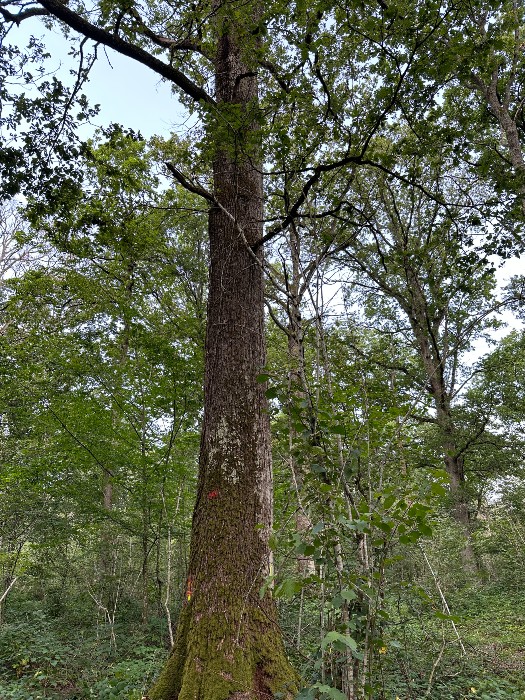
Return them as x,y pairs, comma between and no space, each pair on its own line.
419,254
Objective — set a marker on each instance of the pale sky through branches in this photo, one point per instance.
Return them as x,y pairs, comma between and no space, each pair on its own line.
127,92
130,94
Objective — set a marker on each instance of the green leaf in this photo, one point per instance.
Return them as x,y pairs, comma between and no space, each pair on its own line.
273,542
389,501
348,594
329,691
318,528
339,639
438,489
425,530
443,616
288,588
318,468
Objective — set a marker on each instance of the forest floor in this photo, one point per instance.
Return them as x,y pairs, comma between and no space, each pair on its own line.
53,653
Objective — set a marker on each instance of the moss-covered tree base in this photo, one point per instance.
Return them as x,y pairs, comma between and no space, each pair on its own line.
233,655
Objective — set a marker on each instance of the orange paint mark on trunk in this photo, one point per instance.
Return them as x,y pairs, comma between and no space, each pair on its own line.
189,589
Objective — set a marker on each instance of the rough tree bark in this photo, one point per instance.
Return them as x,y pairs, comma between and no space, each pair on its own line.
228,644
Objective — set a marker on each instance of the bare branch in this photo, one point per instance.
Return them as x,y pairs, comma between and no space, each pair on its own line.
191,186
164,41
21,16
294,210
4,594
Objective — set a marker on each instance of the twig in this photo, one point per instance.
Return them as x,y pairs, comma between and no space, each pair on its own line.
4,594
443,599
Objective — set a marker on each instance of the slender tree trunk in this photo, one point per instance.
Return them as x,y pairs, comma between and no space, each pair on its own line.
297,388
501,109
451,457
228,644
108,542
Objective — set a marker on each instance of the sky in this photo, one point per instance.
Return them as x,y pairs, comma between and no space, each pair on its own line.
128,93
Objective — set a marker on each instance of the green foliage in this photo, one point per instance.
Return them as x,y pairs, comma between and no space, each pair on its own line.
129,679
320,690
99,387
39,658
387,164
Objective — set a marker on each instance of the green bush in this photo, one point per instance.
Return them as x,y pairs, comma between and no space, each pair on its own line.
129,679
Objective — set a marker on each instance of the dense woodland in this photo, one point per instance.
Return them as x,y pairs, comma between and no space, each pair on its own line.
262,396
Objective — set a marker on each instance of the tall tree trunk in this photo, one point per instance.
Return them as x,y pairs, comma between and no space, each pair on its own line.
228,644
448,434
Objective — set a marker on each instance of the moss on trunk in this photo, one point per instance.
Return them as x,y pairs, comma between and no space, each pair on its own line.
228,643
218,657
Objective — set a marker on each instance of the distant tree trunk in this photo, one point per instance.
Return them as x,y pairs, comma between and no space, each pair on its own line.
227,643
107,560
434,367
298,388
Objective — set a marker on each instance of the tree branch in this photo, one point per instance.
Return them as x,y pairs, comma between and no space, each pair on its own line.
472,440
190,186
164,41
4,594
285,87
422,419
21,16
274,318
91,31
81,444
294,210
